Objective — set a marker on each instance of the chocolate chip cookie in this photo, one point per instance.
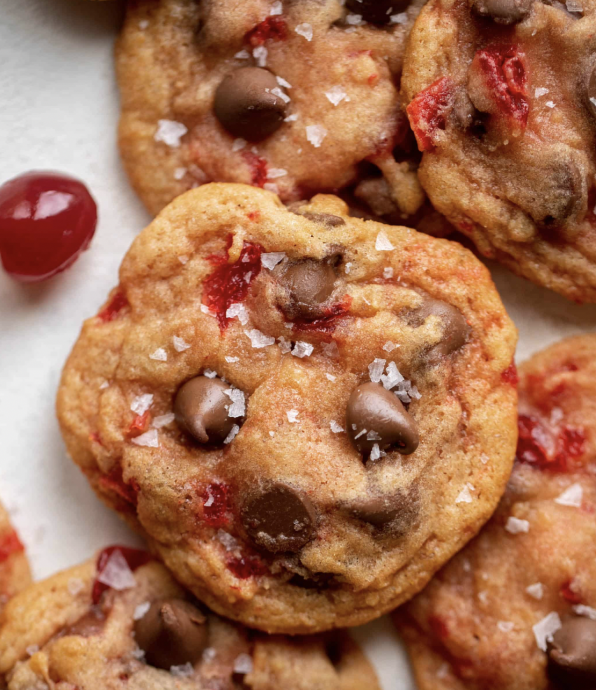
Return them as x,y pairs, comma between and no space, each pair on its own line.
517,607
306,413
296,97
120,621
501,96
14,567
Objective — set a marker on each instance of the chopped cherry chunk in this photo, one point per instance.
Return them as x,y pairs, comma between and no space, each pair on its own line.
9,544
273,28
113,307
569,593
115,483
510,375
503,71
539,447
216,504
46,221
134,558
258,168
428,112
246,566
229,283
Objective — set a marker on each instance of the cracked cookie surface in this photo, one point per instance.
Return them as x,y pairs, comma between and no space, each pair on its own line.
306,413
498,95
297,97
120,621
516,609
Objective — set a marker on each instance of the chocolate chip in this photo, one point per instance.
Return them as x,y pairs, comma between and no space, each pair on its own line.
503,11
327,219
572,655
201,409
308,283
173,632
376,416
279,519
591,91
246,105
377,11
455,328
380,510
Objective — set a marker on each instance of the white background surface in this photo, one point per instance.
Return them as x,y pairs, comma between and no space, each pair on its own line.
58,110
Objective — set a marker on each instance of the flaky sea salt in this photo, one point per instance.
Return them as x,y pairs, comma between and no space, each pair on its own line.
141,610
170,132
231,360
284,345
574,6
292,416
229,542
505,626
209,373
182,671
163,420
183,259
400,18
331,350
276,91
382,243
348,267
238,144
354,19
393,376
149,439
375,452
271,259
587,611
116,573
330,377
375,369
260,55
540,91
336,95
242,55
389,346
388,272
258,339
373,435
180,344
516,526
302,349
104,385
232,435
238,310
572,496
484,458
141,403
304,30
536,591
282,82
143,24
335,427
75,586
291,118
160,355
238,406
276,8
464,495
483,597
179,173
205,309
550,104
209,654
243,664
545,629
271,187
315,134
274,174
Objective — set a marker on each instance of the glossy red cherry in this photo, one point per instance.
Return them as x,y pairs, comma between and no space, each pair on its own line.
46,220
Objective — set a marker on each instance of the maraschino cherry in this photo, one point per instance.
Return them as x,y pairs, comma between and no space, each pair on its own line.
46,220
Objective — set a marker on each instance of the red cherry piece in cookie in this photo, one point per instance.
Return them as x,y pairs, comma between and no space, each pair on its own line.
115,566
229,283
9,544
428,112
46,220
497,83
273,28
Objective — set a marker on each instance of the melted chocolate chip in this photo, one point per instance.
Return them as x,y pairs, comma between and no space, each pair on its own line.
377,11
246,105
173,632
380,510
572,655
201,409
503,11
591,91
308,283
384,420
455,328
327,219
279,519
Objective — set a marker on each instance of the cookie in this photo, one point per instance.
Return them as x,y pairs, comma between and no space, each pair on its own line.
120,621
306,413
14,567
517,607
296,97
499,95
